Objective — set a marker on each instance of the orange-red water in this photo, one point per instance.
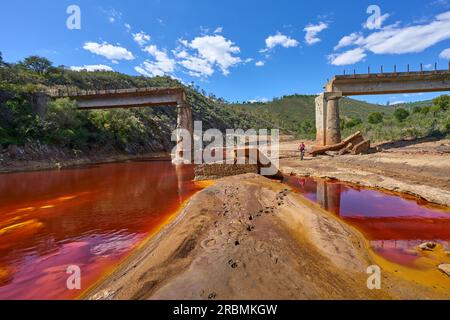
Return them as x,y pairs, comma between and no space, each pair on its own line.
94,216
91,217
393,224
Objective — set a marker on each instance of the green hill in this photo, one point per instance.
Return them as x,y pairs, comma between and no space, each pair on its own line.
149,129
289,112
128,130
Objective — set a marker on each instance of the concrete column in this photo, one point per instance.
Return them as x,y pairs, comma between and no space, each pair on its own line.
39,103
184,121
333,125
321,120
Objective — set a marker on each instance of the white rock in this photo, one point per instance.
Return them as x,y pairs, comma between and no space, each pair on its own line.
445,268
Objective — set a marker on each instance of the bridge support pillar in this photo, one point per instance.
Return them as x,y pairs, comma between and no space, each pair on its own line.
333,133
327,120
185,135
321,120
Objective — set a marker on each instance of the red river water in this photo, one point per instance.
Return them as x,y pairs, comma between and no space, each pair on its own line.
93,217
90,217
394,224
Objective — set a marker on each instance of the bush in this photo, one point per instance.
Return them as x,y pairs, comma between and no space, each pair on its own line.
307,128
63,113
435,110
375,118
416,110
443,102
353,123
425,110
401,114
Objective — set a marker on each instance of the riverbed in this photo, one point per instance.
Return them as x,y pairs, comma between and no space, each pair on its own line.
94,216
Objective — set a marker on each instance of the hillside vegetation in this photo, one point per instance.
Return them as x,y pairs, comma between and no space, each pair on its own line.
129,130
296,114
142,130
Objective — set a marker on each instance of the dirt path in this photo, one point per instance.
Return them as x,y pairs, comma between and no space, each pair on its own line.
421,169
247,237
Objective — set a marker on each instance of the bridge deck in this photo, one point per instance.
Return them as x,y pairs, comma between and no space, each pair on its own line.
123,98
390,83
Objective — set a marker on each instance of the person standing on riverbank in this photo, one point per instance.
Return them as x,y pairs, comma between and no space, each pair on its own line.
302,149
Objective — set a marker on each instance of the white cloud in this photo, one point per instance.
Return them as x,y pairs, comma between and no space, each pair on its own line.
141,38
397,102
109,51
348,41
91,68
207,52
260,63
348,57
113,15
259,99
217,50
312,31
161,65
127,27
279,40
218,30
394,39
197,67
445,54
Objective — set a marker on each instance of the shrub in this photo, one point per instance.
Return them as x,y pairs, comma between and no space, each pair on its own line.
375,118
435,110
443,102
425,110
416,110
307,128
401,114
353,123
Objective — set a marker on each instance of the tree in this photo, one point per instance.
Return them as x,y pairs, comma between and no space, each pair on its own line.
375,118
353,122
37,64
401,114
443,102
2,62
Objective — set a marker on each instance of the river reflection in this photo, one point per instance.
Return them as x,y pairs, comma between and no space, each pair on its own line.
91,217
393,224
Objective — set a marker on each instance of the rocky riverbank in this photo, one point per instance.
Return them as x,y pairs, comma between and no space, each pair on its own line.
247,237
38,156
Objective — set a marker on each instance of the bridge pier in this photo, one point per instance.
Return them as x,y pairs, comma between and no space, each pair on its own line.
185,130
333,133
327,120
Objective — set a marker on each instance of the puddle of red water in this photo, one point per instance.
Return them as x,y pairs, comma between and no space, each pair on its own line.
91,217
395,225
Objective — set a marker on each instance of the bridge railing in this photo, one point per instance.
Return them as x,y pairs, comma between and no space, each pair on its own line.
74,92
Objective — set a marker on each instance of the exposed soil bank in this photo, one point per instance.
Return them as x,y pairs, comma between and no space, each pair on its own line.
418,169
247,237
36,156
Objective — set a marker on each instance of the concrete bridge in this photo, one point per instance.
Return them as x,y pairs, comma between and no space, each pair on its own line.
134,98
327,104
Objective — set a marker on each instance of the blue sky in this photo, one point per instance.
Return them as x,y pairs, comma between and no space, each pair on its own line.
239,50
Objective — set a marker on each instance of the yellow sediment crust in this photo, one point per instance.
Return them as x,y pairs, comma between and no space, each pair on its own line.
33,224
